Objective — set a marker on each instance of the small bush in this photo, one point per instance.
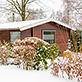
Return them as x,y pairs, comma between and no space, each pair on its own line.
70,67
5,52
45,52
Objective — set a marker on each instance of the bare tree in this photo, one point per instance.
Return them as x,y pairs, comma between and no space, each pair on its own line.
60,16
72,13
73,8
19,7
34,14
38,14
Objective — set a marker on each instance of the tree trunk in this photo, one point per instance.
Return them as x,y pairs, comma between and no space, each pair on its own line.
23,18
23,10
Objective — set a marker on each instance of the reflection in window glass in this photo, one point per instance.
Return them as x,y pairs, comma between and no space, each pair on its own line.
49,36
14,36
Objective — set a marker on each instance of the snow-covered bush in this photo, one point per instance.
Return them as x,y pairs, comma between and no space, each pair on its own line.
29,53
6,44
32,53
24,52
5,52
4,55
45,52
23,55
70,67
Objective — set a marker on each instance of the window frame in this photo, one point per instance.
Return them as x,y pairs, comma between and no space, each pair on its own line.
50,31
14,31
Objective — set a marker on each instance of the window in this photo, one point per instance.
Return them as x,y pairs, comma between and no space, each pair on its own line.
14,36
49,36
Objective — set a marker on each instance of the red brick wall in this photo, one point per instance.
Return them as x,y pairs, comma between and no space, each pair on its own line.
4,35
26,33
62,33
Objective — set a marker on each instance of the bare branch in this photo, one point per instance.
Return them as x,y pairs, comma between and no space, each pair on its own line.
18,5
13,4
27,16
75,8
26,2
31,1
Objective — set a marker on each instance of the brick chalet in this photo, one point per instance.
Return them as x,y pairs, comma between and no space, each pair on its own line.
49,30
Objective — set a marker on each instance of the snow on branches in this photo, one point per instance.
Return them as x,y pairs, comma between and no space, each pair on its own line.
33,52
29,53
70,67
4,55
24,52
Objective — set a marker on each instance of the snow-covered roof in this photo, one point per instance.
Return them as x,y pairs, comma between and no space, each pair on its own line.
23,25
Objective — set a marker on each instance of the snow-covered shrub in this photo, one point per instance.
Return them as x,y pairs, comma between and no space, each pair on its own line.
70,67
6,44
32,53
24,52
23,55
45,52
5,52
4,55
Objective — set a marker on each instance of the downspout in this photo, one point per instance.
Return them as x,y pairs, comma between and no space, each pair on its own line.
31,32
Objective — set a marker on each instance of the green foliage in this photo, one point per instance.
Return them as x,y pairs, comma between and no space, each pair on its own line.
7,45
76,40
1,44
5,52
45,52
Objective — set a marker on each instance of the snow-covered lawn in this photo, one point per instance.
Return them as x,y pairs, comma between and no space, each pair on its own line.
11,73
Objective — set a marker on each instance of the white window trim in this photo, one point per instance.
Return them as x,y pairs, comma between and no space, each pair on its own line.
50,31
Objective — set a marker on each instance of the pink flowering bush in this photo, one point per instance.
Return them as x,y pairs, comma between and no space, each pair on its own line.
70,67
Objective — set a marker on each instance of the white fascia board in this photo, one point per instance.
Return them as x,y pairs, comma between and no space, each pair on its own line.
43,21
36,23
63,24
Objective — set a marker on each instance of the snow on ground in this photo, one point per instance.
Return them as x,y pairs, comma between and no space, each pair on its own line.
11,73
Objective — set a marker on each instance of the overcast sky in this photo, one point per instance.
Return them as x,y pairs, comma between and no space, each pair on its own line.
50,4
47,5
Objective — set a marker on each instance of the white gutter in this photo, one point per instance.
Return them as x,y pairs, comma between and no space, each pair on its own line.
14,28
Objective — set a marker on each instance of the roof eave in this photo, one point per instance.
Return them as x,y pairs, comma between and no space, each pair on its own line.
17,28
